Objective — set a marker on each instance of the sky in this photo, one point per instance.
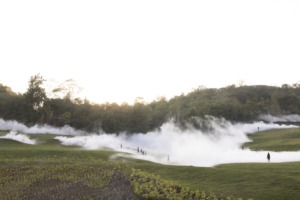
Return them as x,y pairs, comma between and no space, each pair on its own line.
118,50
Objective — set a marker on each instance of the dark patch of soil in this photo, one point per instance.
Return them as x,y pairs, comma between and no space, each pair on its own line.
118,189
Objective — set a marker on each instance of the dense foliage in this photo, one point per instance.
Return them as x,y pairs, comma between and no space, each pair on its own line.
149,186
243,103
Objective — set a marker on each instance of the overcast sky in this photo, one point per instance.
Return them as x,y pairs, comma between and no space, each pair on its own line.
119,50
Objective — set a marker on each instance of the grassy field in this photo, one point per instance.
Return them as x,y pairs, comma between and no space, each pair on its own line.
257,181
35,171
276,140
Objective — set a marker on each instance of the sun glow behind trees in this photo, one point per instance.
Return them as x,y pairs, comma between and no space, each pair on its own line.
117,51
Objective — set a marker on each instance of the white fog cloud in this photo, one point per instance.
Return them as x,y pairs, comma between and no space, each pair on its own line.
219,144
282,118
13,135
171,145
16,126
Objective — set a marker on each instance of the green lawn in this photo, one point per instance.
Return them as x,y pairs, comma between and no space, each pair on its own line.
258,181
276,140
22,166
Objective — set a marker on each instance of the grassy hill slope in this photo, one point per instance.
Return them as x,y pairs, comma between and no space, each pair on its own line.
35,171
275,140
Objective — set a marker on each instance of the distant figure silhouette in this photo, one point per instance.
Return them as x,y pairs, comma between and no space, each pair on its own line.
258,129
268,157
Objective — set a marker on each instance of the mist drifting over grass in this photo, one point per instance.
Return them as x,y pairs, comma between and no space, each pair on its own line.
283,118
13,135
218,143
37,129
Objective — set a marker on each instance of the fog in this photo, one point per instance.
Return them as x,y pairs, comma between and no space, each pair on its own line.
37,129
220,142
283,118
13,135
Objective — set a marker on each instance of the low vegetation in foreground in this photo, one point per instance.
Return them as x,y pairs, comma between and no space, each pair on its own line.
51,171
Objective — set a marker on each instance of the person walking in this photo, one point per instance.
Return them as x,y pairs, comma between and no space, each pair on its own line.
268,156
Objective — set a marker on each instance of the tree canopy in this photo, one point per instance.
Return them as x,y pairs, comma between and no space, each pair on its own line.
243,103
35,94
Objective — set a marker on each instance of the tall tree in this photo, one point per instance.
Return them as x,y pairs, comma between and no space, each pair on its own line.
35,94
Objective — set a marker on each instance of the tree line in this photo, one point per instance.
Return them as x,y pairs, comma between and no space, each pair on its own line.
242,103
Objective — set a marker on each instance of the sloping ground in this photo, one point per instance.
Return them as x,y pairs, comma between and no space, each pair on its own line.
103,181
65,181
275,140
51,171
119,188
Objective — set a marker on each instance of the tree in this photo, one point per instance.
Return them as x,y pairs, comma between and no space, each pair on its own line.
35,94
139,118
288,103
5,89
68,90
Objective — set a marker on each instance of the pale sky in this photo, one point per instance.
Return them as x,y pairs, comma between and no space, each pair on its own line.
118,50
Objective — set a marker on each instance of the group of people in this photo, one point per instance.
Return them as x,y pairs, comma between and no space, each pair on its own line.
143,152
